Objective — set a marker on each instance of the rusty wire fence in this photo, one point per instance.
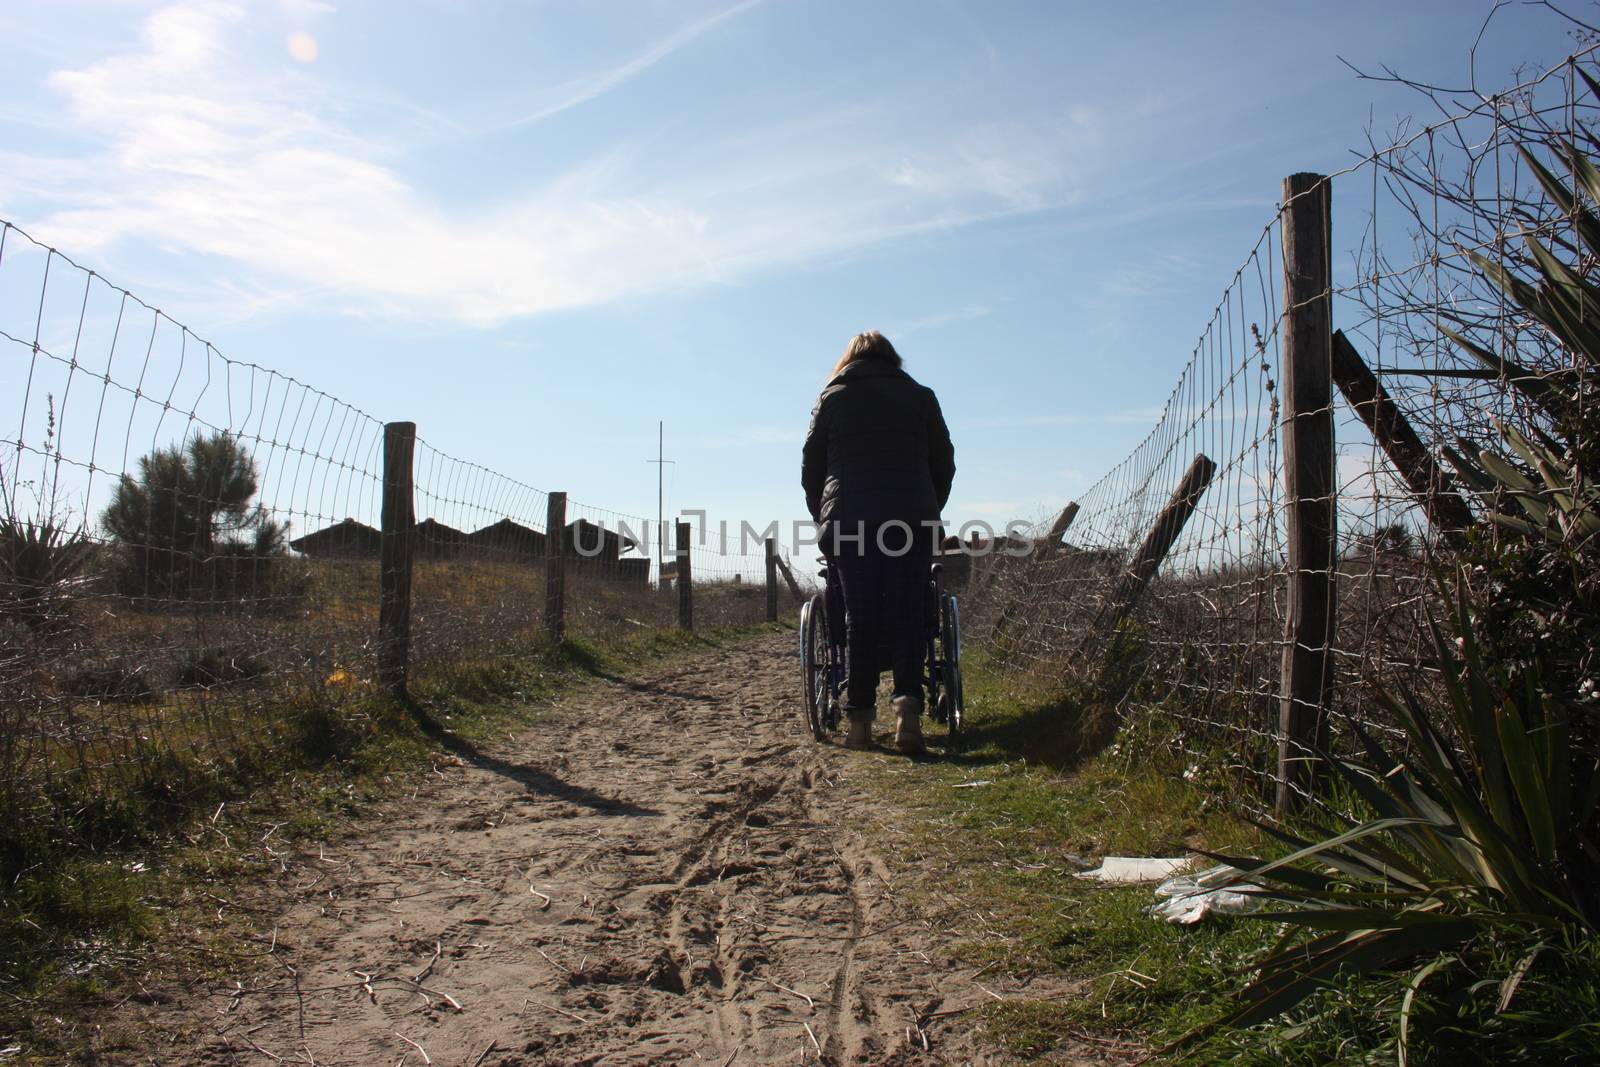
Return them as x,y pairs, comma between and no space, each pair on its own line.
1161,597
1199,648
192,547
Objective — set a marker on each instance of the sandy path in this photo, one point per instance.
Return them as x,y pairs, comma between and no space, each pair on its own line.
662,871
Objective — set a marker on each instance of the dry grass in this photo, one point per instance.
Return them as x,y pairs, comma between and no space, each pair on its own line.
121,698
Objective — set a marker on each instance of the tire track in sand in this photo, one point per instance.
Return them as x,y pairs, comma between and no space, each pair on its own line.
661,871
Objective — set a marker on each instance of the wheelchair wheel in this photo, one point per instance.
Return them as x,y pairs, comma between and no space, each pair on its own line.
937,710
952,698
814,665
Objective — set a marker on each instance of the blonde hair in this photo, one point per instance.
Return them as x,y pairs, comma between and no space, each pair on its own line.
871,345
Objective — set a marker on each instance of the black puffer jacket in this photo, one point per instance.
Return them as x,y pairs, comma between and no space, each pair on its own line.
877,450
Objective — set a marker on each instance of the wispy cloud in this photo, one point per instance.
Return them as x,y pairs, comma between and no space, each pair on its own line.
581,90
202,153
943,318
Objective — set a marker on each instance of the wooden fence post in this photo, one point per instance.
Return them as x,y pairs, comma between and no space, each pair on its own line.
398,520
685,578
1048,550
555,567
772,579
788,579
1310,490
1058,529
1422,473
1157,543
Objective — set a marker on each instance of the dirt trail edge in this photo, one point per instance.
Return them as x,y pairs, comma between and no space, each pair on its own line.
663,870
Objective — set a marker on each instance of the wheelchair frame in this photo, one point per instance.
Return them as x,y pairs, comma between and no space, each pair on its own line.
823,656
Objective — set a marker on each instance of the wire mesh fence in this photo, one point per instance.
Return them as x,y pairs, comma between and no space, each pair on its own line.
1200,650
190,552
1190,652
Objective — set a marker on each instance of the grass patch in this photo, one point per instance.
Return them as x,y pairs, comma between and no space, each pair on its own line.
1001,857
1004,855
135,882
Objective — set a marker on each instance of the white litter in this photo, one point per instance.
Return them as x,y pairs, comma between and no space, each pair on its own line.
973,785
1186,899
1129,870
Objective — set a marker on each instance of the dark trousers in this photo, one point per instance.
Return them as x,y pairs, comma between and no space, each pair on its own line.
885,597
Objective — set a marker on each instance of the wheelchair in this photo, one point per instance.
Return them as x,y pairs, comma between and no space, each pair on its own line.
824,666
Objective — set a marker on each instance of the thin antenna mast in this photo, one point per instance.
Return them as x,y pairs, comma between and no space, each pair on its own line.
661,462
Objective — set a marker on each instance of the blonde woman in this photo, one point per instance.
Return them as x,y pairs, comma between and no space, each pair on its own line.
876,468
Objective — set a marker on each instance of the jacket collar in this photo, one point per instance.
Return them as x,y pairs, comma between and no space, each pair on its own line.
868,368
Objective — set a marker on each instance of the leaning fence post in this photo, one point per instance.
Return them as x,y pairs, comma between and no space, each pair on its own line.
772,579
1058,529
1050,549
1157,543
1310,492
398,520
685,579
788,579
555,567
1422,473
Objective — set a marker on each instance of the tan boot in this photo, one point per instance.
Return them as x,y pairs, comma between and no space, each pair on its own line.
908,726
860,735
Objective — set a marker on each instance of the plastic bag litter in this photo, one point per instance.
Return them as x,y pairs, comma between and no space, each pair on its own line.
1127,870
1186,899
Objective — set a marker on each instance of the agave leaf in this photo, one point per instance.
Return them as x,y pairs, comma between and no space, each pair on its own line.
1554,737
1446,846
1588,177
1494,859
1298,975
1568,302
1385,803
1524,379
1537,511
1506,474
1587,225
1404,787
1554,310
1298,877
1521,526
1354,863
1518,290
1524,768
1533,454
1354,920
1578,296
1327,851
1412,986
1468,470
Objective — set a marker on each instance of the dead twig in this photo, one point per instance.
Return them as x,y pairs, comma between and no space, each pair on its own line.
809,1002
485,1053
438,950
553,962
422,989
425,1057
299,998
546,905
916,1025
814,1042
264,1052
946,1013
555,1007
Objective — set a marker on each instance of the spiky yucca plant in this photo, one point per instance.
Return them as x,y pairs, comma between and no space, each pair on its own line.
1483,848
39,560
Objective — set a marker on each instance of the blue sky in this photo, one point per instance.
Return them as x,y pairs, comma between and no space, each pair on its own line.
537,228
